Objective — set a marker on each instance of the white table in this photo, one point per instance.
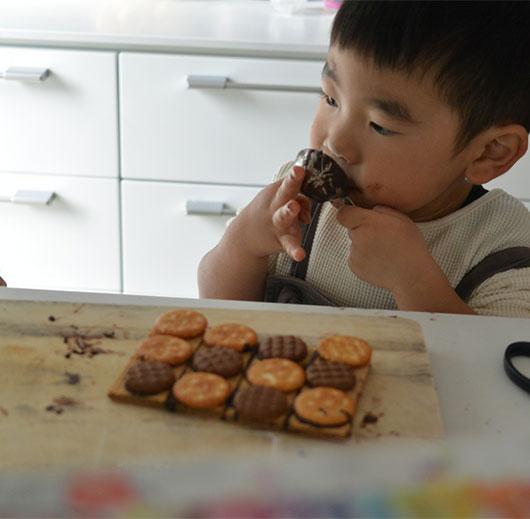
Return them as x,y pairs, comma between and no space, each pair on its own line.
466,352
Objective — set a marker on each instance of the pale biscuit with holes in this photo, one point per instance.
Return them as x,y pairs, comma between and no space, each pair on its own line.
182,323
231,335
283,374
346,349
324,406
202,390
165,348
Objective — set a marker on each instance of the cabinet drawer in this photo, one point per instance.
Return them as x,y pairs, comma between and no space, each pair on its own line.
72,243
65,124
516,181
234,136
162,244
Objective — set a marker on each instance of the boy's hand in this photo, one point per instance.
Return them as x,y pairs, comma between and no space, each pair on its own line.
272,218
387,248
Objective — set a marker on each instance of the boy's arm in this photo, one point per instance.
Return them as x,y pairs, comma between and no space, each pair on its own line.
237,267
389,251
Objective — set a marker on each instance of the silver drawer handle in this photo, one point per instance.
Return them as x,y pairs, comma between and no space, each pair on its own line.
223,82
26,196
25,74
207,207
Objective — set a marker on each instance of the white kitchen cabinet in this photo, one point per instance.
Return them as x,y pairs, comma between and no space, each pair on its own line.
72,243
170,131
162,243
64,123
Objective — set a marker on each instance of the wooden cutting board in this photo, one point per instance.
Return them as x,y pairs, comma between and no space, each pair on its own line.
57,361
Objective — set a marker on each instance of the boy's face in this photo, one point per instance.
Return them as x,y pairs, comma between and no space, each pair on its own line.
393,136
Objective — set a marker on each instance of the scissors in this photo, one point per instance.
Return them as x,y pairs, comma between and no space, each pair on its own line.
517,349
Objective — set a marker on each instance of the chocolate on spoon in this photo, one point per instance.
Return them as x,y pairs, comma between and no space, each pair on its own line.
324,178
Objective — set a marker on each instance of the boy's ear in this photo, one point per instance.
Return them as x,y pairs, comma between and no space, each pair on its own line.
496,150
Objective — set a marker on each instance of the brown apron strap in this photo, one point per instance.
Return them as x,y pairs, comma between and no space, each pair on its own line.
500,261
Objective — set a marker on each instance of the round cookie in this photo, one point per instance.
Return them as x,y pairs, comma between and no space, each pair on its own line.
202,390
260,403
330,374
182,323
165,348
324,406
149,378
283,374
223,361
346,349
284,346
231,335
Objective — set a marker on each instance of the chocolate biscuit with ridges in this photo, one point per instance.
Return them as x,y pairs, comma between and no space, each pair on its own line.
331,374
283,346
216,359
148,378
260,403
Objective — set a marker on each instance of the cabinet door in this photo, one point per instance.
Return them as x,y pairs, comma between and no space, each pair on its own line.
215,135
64,124
72,243
162,243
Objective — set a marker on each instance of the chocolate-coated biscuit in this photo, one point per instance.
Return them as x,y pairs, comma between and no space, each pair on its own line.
284,346
149,378
330,374
223,361
260,403
324,178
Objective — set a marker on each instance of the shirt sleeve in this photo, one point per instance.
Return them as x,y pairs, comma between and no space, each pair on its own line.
506,294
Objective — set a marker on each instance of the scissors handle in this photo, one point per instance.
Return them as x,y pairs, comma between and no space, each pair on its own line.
517,349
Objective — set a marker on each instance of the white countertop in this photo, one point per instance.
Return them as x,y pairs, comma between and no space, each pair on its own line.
466,352
214,26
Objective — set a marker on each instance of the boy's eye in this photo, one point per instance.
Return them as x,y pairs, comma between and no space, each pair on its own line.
329,100
381,130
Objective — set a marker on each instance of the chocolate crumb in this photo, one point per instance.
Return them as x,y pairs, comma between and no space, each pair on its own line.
51,318
369,419
73,378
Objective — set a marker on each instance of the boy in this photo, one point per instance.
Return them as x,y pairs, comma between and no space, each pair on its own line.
422,103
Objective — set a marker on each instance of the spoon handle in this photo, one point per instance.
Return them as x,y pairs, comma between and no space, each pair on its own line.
348,201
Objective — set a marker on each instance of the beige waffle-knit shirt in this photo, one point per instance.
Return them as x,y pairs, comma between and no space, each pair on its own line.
457,242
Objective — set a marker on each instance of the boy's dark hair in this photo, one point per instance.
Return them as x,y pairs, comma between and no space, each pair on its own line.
478,51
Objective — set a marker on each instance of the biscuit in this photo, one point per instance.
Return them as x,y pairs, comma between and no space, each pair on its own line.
149,378
165,348
284,346
331,374
346,349
283,374
202,390
231,335
324,406
223,361
260,403
182,323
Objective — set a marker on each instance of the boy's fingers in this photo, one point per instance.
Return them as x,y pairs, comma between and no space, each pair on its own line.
290,187
291,246
286,215
352,217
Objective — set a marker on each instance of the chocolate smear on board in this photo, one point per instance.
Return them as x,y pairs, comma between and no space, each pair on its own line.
369,419
59,404
5,412
51,318
73,378
80,345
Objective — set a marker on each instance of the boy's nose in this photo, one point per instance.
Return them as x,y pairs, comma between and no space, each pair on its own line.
342,144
